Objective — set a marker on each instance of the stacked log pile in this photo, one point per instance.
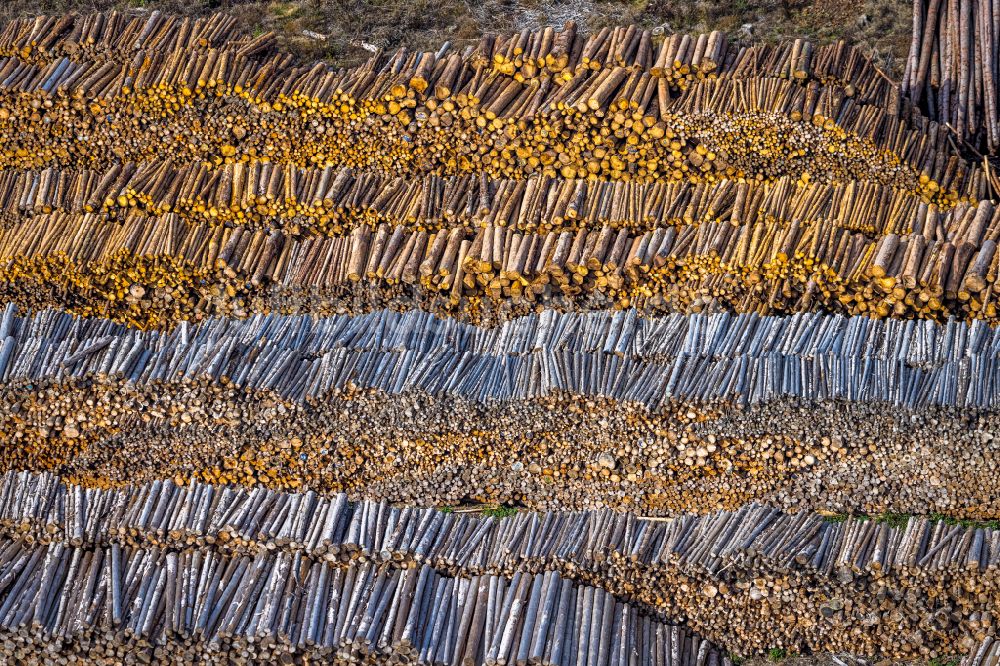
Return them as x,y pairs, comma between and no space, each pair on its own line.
599,409
767,249
951,71
334,201
740,358
750,576
726,287
795,177
200,606
759,111
116,37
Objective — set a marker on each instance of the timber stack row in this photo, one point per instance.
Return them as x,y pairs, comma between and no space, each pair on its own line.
756,115
199,606
601,410
744,358
156,270
116,37
334,201
227,561
684,298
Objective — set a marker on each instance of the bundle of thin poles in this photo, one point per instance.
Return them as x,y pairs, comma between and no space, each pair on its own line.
952,67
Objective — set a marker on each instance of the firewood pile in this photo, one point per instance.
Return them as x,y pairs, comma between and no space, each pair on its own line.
694,307
702,569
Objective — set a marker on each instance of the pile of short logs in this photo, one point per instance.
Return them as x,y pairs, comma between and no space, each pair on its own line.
764,249
229,569
551,411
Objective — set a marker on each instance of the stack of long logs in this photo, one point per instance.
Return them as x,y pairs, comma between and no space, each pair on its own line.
332,201
162,171
764,111
457,245
593,410
230,570
743,358
115,37
951,71
199,606
985,653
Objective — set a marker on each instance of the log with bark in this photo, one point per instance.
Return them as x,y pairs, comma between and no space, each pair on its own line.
951,71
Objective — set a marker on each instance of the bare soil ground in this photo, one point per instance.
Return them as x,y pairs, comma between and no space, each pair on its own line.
778,657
